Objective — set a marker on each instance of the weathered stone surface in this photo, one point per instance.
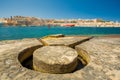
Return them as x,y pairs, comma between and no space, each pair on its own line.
104,59
54,36
63,41
83,56
10,67
55,59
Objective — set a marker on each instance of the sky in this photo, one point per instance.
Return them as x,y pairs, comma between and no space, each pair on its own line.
62,9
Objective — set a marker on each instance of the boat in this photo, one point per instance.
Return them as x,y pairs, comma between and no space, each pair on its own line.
68,25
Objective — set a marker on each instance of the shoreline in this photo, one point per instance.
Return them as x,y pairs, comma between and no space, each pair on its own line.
105,36
109,35
65,26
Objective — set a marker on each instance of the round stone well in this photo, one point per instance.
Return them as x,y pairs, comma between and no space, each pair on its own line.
55,59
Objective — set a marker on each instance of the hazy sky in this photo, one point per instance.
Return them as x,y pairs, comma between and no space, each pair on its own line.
106,9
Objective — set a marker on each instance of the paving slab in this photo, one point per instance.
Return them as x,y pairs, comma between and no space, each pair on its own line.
104,58
70,41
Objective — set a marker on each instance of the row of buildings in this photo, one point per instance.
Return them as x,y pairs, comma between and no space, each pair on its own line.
22,21
86,23
32,21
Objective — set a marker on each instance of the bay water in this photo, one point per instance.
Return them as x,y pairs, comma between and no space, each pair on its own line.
18,32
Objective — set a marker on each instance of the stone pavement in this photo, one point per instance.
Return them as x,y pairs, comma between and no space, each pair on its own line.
103,62
105,59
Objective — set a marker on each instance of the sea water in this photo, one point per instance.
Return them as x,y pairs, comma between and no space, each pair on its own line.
18,32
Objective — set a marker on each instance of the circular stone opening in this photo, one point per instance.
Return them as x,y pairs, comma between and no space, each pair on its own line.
25,57
55,59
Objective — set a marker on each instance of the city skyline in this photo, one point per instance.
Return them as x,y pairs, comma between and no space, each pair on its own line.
62,9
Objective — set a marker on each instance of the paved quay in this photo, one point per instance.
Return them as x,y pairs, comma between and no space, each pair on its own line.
100,56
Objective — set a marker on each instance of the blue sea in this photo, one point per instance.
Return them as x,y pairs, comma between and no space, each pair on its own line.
11,33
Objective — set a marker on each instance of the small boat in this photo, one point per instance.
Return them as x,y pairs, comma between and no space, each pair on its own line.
69,25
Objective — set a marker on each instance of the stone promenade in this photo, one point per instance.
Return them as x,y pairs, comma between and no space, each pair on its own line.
99,55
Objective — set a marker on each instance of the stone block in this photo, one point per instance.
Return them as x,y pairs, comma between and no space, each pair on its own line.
55,59
63,41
